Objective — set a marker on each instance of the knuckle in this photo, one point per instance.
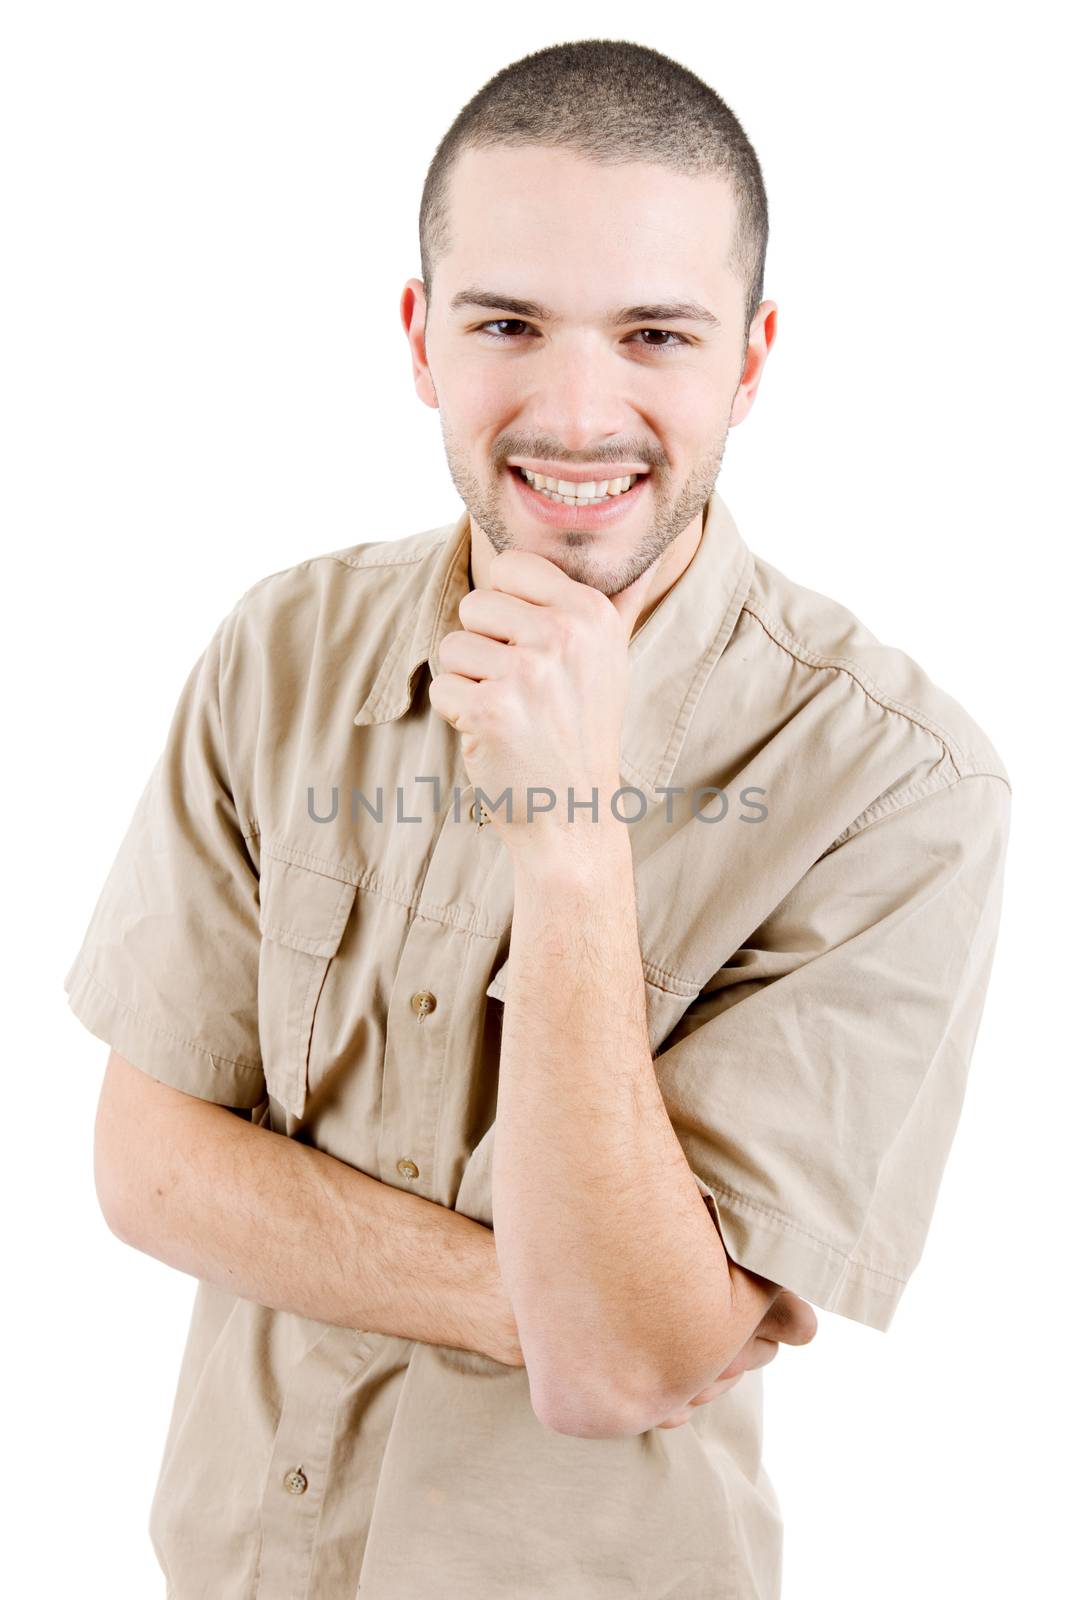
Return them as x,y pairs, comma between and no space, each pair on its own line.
568,629
531,664
571,626
490,711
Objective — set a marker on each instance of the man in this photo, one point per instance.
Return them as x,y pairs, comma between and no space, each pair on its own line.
549,949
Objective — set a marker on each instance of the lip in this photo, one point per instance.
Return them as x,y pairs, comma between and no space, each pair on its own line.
591,518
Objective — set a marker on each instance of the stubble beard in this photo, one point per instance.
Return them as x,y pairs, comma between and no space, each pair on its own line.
670,518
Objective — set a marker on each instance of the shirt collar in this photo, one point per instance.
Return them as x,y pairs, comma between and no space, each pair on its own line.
672,654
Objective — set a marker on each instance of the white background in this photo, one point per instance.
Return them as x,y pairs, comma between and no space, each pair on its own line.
210,211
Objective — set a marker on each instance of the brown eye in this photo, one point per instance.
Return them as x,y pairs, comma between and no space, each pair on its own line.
681,341
502,322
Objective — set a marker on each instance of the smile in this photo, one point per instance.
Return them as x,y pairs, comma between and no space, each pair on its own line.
587,508
579,494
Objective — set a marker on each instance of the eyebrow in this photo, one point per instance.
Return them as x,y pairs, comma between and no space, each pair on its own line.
662,311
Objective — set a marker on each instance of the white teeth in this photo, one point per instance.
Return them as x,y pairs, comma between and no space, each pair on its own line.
573,494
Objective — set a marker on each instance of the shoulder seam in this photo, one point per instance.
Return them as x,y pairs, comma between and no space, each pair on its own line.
881,808
399,561
338,557
812,658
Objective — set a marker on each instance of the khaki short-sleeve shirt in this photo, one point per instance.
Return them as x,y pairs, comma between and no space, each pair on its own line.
819,837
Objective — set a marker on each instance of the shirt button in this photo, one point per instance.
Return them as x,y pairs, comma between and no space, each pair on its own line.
407,1168
477,814
295,1481
423,1002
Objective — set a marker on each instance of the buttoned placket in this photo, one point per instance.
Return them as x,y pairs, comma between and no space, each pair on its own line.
435,1017
437,1003
296,1477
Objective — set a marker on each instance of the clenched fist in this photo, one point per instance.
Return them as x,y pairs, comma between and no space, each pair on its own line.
536,684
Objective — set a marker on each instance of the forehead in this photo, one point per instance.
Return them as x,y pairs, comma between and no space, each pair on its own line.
549,224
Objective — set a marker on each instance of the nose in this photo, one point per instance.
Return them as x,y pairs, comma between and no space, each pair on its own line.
580,393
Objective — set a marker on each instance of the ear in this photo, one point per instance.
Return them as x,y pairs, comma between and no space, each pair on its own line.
761,337
413,313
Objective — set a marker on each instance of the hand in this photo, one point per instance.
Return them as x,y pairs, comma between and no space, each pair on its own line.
535,683
788,1320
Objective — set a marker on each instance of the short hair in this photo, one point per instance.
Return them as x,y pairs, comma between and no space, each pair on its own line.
610,101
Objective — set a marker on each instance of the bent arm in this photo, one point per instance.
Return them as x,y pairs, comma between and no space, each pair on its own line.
626,1302
276,1221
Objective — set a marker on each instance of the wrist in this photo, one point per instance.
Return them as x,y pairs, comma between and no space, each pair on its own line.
556,841
582,852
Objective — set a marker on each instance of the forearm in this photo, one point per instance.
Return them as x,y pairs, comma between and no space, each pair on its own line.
276,1221
614,1269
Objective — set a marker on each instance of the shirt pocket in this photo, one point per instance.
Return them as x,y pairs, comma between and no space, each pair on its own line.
303,914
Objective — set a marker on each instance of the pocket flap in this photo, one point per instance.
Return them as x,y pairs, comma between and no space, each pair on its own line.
301,907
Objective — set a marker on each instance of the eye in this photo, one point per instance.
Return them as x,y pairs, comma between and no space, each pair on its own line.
511,322
682,340
502,322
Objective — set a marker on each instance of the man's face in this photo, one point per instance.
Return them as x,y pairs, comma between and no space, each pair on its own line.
563,385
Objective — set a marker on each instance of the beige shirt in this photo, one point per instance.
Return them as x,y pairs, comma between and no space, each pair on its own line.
816,946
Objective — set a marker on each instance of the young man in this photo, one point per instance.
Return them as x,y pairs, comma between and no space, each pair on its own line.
549,949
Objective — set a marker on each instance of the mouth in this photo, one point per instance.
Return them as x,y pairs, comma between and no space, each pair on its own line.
590,512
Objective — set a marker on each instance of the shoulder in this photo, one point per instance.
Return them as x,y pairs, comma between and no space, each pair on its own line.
358,575
316,633
352,600
833,649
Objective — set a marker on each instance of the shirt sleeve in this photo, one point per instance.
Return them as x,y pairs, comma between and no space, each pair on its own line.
816,1084
167,972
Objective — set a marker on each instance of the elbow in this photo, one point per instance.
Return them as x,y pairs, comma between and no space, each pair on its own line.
115,1170
583,1422
595,1405
603,1415
112,1199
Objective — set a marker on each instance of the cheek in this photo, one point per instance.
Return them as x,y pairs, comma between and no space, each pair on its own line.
697,437
483,386
699,411
474,392
502,401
